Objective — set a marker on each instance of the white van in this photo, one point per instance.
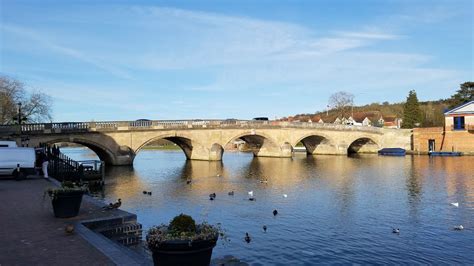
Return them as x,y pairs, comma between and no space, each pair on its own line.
7,144
10,158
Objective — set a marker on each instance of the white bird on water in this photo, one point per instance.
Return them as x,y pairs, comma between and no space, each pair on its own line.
251,198
459,227
455,204
285,196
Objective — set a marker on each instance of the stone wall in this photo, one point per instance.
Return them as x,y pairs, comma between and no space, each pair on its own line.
421,136
449,140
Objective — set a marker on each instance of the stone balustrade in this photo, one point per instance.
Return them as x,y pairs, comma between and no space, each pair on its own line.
51,128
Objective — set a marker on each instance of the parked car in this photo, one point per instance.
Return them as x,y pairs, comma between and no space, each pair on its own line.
230,121
141,123
261,118
11,157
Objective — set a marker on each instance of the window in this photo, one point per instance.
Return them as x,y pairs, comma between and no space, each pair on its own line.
459,123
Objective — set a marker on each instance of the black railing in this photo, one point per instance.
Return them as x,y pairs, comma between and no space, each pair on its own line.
63,168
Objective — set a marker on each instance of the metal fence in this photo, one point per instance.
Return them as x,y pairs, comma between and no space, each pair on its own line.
64,168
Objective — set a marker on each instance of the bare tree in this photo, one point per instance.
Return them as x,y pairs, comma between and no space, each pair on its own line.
342,102
36,106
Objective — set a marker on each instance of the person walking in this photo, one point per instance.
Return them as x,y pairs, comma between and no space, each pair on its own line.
44,164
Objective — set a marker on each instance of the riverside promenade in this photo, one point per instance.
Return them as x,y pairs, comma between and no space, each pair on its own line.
31,235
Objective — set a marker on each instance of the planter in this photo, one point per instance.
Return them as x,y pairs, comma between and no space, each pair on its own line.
67,204
182,252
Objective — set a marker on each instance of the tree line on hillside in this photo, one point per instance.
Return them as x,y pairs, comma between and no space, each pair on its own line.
35,106
413,112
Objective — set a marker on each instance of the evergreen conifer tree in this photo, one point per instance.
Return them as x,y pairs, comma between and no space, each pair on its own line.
411,111
463,95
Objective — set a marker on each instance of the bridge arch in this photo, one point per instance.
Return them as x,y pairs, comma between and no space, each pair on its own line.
103,152
364,144
316,143
184,142
261,144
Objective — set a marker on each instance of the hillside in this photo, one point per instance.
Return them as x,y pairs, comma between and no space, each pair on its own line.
432,112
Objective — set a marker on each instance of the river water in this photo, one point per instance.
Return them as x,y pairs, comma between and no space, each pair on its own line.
338,209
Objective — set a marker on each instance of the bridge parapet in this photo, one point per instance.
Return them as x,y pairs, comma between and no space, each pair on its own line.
107,126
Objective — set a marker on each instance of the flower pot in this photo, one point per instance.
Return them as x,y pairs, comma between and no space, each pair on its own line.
182,252
67,204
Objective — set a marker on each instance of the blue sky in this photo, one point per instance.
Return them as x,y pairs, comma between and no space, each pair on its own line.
125,60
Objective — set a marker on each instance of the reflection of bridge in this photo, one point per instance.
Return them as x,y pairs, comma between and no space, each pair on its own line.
117,143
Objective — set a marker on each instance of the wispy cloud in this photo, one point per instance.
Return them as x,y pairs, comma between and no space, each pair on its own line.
369,35
40,38
159,52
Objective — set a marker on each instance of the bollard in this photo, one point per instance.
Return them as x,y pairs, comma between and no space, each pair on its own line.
18,173
102,170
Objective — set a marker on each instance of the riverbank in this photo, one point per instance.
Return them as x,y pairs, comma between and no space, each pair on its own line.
33,236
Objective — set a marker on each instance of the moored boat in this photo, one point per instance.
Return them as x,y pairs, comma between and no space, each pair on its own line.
392,152
445,153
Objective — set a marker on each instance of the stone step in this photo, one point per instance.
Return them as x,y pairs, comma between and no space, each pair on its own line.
127,240
124,229
127,234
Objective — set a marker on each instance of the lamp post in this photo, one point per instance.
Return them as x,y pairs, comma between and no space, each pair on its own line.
19,117
19,123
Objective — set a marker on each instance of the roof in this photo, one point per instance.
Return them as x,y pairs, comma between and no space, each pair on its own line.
360,116
390,118
466,108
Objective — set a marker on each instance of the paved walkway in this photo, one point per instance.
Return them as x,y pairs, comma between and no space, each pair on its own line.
31,235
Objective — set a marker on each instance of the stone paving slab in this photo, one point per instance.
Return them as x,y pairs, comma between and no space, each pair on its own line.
31,235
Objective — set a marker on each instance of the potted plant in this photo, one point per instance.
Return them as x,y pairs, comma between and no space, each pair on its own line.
67,199
182,242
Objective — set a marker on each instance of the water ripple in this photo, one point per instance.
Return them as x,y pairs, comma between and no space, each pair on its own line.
338,210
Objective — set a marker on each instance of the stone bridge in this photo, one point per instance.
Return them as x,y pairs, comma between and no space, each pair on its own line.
117,143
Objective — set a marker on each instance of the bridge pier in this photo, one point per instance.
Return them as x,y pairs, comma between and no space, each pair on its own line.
122,160
203,154
271,150
326,149
216,152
